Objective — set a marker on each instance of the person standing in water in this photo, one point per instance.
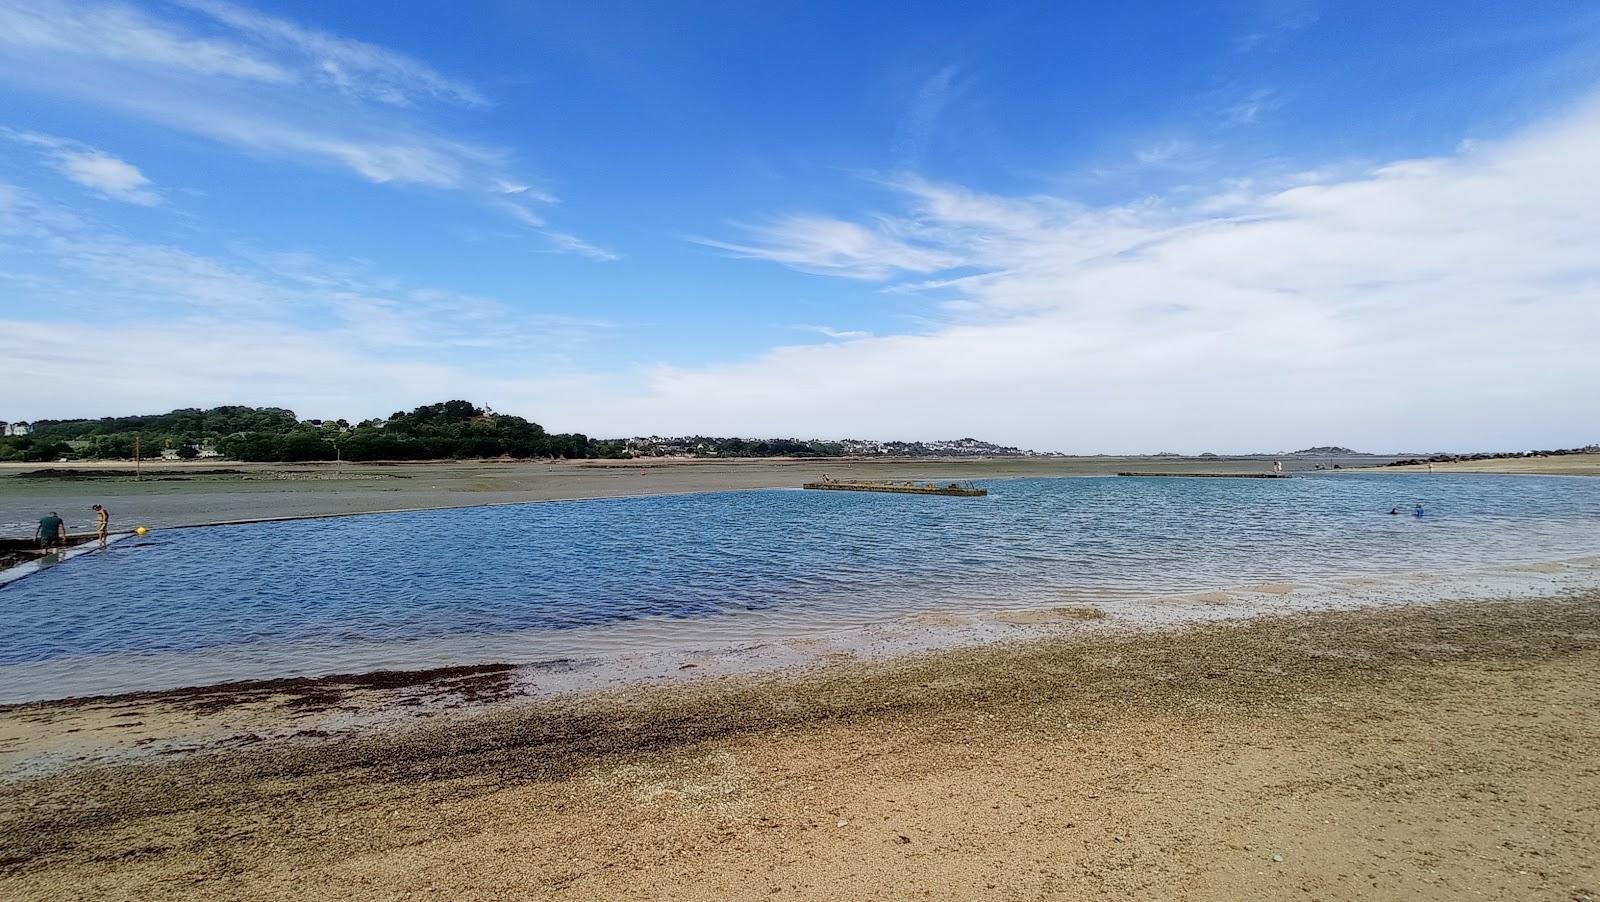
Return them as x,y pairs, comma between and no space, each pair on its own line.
102,522
52,532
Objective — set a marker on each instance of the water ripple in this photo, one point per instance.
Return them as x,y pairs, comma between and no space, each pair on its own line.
772,560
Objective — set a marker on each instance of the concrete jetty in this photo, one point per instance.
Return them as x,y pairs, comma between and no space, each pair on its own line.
903,488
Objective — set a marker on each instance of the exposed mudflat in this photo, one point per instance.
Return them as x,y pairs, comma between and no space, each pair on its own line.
172,493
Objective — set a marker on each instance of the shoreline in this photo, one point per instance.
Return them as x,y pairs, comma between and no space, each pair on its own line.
652,651
681,791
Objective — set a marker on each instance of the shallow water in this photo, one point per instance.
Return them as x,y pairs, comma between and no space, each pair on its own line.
588,579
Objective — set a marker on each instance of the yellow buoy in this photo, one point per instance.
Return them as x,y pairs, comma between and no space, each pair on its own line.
139,530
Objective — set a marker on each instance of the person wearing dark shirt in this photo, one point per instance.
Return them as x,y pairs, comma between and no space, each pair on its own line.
52,532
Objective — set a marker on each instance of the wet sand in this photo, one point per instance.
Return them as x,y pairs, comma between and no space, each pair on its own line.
193,493
1428,752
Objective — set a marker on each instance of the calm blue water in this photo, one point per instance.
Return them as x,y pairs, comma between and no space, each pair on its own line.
823,557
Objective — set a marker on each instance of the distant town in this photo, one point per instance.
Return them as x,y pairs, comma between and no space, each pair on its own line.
708,446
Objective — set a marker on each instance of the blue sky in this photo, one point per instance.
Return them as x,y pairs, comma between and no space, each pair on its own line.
1124,227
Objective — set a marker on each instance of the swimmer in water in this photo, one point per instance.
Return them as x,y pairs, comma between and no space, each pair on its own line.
1417,512
1393,511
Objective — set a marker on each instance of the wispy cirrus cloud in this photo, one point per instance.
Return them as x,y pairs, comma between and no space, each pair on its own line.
835,334
1273,19
59,263
1249,109
1168,153
268,87
356,68
252,47
572,244
828,246
125,35
101,172
326,337
933,96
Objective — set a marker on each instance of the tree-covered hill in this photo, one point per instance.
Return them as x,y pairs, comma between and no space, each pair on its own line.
448,430
452,429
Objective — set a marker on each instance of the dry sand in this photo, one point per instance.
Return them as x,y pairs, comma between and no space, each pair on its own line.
1440,752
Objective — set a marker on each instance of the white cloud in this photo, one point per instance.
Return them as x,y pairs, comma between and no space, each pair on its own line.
518,207
835,334
382,157
933,96
141,366
1165,153
572,244
92,168
821,244
1451,301
106,367
353,67
1275,19
125,35
517,189
173,323
266,86
260,48
108,175
1249,109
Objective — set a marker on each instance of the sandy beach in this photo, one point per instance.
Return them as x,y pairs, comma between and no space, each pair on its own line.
1430,752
